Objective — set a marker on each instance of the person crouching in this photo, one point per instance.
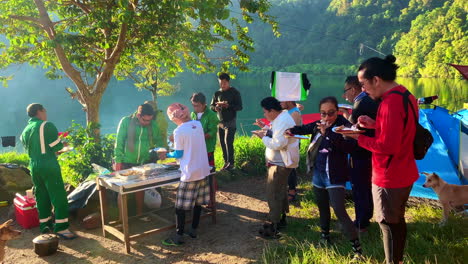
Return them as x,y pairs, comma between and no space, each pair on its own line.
193,190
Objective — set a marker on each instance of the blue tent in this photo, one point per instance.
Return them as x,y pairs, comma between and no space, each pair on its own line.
442,157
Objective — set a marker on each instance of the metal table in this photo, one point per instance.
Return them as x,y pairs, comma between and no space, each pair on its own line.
125,187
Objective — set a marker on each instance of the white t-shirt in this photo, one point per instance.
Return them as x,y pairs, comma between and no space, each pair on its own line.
190,138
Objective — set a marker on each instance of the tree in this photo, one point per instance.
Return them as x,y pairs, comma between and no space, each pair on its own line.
436,37
90,41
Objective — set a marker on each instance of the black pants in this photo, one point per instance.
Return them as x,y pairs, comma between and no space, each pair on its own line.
292,180
394,239
180,219
226,139
335,197
361,174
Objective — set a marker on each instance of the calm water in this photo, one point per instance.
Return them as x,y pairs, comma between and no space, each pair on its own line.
122,98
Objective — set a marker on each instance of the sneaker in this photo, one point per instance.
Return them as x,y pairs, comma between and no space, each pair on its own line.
269,231
325,239
227,164
282,223
357,258
175,240
192,233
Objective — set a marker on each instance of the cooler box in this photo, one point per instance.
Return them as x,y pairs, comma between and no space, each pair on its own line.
26,211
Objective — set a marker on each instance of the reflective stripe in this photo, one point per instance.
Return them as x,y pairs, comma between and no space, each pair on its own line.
54,143
61,221
44,220
41,137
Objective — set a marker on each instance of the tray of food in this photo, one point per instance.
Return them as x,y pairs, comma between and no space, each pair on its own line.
347,130
128,174
153,169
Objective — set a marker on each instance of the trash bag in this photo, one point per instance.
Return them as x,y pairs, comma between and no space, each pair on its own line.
80,196
152,199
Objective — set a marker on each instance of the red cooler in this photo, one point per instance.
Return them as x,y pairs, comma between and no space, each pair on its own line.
26,211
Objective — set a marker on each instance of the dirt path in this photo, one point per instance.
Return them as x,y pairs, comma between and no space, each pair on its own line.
232,240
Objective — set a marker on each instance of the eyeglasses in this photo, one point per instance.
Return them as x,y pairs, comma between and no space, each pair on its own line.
330,114
143,120
347,90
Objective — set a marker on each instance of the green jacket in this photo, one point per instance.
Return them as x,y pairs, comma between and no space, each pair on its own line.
41,141
142,143
209,121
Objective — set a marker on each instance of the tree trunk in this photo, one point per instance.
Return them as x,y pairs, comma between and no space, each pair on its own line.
91,105
92,110
154,94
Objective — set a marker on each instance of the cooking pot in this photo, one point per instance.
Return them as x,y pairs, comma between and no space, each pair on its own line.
46,244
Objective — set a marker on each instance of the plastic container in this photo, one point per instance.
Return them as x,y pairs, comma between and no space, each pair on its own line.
26,211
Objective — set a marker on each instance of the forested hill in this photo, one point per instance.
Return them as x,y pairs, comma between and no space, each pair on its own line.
332,37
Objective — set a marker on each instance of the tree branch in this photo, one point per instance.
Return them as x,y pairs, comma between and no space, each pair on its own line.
114,58
67,67
27,18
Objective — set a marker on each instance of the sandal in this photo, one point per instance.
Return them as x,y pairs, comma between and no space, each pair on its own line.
67,235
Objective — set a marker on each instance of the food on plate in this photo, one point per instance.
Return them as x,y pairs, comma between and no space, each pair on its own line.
349,130
127,173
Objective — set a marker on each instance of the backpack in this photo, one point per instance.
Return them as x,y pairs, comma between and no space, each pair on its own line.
423,138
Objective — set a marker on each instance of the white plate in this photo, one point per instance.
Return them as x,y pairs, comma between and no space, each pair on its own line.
345,106
347,131
297,136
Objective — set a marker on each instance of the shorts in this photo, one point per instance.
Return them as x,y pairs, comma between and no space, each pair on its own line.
192,193
389,203
321,180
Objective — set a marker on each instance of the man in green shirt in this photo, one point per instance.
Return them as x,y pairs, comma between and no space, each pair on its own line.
209,121
41,141
136,136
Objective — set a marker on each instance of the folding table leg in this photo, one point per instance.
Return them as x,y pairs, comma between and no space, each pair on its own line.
213,197
124,216
103,203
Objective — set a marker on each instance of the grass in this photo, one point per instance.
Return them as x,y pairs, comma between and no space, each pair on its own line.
426,241
14,157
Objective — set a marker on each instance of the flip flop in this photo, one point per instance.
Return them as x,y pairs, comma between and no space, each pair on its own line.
67,235
171,243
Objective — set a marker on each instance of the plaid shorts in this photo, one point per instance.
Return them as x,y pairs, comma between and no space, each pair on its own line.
193,193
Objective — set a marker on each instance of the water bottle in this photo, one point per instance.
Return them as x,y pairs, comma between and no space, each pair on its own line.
427,100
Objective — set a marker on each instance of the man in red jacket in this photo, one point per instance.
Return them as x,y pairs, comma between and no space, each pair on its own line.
393,165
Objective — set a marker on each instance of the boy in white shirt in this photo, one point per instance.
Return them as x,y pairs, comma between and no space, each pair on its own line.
193,190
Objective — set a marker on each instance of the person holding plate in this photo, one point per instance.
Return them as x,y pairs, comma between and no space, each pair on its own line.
327,159
282,155
193,190
41,141
226,102
361,159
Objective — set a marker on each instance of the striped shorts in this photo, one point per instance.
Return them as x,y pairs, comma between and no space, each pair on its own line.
192,193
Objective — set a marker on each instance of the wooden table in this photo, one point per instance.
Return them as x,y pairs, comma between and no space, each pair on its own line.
125,187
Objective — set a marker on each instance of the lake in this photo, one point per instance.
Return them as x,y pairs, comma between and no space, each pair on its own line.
122,98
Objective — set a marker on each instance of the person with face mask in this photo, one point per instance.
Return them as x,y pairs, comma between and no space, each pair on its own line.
41,141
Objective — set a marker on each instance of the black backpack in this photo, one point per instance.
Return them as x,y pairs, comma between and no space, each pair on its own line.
423,138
